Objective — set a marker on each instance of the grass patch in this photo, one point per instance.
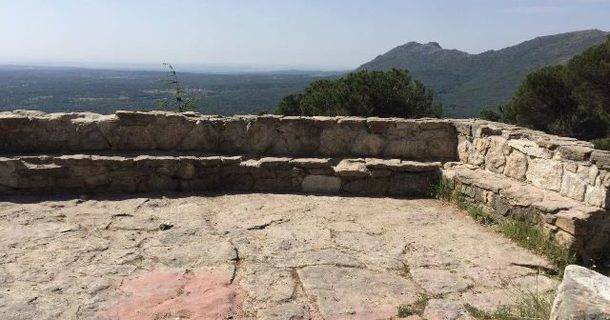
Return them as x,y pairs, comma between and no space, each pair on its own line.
601,144
480,215
416,308
442,190
529,305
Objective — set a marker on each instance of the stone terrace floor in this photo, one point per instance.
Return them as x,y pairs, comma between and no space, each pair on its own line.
252,256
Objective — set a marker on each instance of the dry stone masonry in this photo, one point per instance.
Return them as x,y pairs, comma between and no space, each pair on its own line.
559,183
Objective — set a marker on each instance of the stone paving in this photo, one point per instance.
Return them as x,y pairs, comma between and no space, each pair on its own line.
253,256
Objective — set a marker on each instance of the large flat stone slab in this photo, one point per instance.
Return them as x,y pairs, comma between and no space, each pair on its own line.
251,256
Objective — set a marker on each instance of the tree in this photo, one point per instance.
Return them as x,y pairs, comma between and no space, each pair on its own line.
571,100
589,75
178,101
364,93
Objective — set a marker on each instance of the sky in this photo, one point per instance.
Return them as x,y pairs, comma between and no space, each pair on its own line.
290,34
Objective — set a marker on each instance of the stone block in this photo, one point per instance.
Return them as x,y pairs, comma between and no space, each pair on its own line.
352,168
573,186
530,148
601,158
321,184
311,163
367,186
582,294
516,165
545,173
572,221
576,153
204,136
597,196
495,158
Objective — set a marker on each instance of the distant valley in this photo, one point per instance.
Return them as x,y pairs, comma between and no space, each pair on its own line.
466,83
57,89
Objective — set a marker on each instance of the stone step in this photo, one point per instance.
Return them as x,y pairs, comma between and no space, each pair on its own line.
584,228
129,173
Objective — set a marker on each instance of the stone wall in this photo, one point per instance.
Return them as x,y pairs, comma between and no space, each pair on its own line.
421,139
568,166
560,183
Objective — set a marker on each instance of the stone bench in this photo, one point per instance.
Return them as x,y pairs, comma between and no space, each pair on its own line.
85,174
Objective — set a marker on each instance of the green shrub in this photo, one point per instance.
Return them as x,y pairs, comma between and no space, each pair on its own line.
602,144
569,100
364,93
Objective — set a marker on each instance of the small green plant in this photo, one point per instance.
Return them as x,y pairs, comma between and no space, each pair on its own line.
416,308
178,101
442,189
480,215
602,144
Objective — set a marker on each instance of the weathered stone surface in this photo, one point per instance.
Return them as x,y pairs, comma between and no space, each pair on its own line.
344,292
577,153
84,174
598,196
495,159
545,173
445,309
352,168
259,135
269,256
532,174
516,165
573,186
321,184
437,282
530,148
569,221
601,158
311,163
583,294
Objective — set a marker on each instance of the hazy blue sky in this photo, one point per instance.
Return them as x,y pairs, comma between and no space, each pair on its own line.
305,34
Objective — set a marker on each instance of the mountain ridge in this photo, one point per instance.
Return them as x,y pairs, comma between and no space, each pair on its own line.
467,83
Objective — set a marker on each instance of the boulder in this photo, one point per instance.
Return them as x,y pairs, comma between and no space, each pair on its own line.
583,294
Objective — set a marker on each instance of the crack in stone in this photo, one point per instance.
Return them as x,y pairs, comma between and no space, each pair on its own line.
297,284
267,224
236,260
536,267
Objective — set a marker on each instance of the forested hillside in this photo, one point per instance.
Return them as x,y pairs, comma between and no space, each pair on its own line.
466,83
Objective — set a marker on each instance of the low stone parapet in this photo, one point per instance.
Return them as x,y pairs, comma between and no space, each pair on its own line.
84,174
568,166
268,135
